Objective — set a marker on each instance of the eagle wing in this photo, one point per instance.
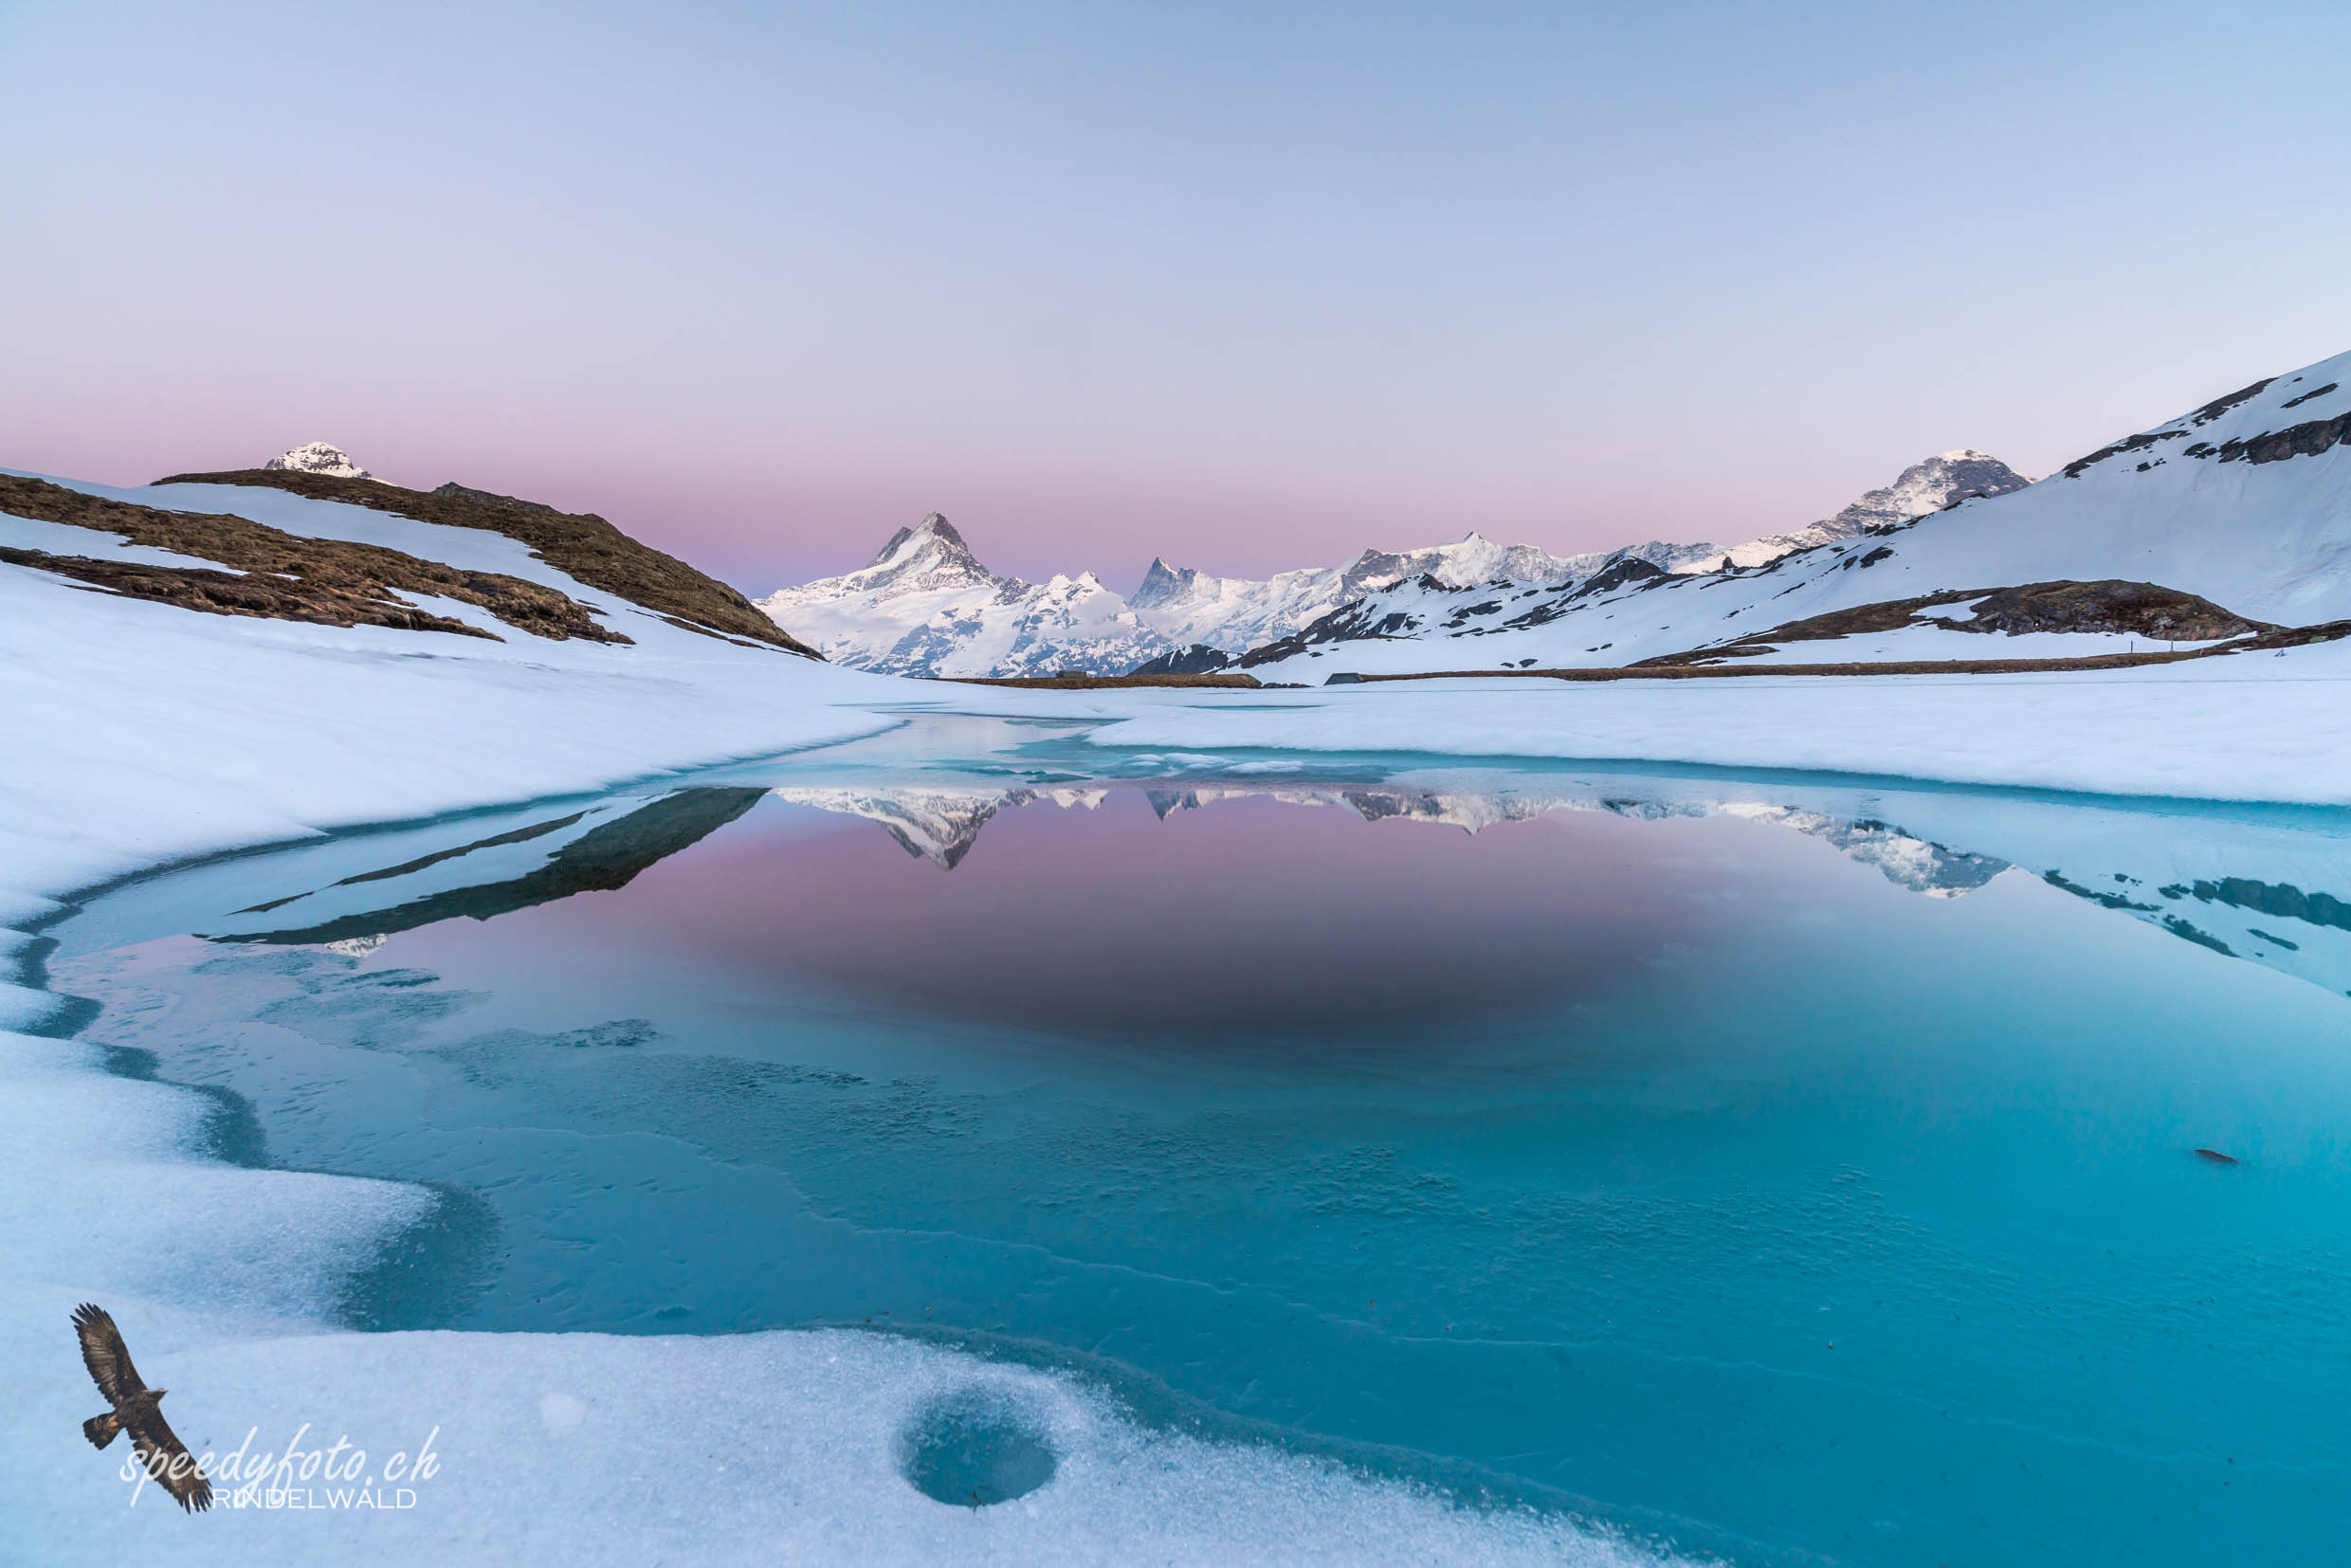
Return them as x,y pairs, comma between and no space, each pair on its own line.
104,1354
168,1460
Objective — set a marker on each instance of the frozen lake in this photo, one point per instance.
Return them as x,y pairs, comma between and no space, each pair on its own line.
1789,1168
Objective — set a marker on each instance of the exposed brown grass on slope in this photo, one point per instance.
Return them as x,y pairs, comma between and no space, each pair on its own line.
580,543
286,577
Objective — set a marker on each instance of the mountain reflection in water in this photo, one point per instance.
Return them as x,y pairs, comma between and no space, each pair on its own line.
2185,874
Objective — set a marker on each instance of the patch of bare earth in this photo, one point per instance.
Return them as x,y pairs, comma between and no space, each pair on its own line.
283,576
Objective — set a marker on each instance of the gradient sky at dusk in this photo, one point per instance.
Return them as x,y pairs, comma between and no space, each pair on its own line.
1252,285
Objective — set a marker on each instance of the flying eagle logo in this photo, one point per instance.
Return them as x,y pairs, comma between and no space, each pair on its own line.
137,1410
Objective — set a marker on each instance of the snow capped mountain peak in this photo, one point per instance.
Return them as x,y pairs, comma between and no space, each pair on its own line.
926,606
928,556
1932,485
934,539
317,456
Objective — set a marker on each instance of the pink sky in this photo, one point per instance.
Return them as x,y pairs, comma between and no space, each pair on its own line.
1251,288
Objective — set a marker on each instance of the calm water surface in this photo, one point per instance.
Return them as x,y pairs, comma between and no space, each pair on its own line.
1802,1171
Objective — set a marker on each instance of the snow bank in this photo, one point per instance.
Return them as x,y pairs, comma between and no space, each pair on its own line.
771,1448
2256,727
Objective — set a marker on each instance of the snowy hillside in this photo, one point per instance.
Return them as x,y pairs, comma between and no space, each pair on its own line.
2241,509
925,606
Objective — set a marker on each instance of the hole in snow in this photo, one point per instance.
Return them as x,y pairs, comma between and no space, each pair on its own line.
976,1446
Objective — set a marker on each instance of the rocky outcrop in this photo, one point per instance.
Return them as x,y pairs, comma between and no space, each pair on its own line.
1199,659
2305,440
2143,610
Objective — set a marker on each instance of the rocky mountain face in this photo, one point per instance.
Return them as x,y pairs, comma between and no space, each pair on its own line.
318,458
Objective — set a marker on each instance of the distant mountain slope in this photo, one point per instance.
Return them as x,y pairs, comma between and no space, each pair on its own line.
582,544
2244,503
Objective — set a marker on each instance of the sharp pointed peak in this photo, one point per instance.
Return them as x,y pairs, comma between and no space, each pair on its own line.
936,524
933,527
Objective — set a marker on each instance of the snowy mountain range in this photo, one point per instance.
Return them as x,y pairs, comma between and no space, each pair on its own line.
2233,517
926,606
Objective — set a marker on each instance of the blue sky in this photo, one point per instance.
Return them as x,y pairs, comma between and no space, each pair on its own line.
1251,285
